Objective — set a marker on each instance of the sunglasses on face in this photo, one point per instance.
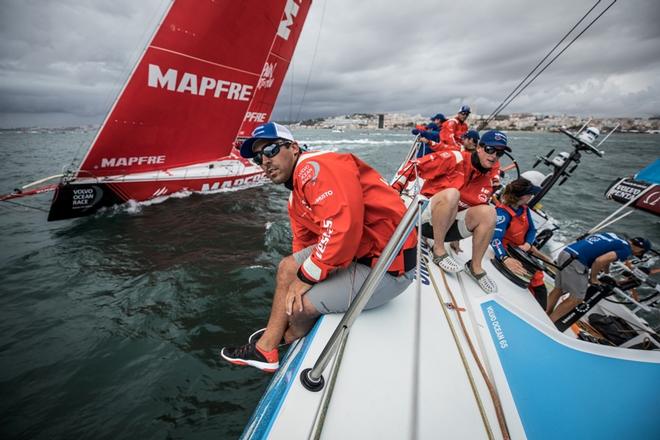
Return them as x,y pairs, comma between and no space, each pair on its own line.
270,151
490,150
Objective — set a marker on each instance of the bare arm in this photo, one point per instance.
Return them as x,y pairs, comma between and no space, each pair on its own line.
601,263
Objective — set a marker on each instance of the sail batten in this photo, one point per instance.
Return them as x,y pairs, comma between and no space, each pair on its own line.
205,61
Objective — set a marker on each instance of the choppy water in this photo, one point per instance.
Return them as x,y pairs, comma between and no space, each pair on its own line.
110,325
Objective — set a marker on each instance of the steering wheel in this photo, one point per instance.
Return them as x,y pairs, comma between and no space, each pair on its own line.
514,163
529,262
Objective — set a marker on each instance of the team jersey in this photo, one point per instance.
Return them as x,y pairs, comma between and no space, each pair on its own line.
451,135
589,249
513,227
477,187
440,170
344,208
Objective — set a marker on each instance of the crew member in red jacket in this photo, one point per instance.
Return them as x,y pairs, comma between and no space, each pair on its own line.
460,185
342,216
451,134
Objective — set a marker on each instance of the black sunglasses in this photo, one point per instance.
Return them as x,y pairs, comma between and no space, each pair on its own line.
270,151
490,150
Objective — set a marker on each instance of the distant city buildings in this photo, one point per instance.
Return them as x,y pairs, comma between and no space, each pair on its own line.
513,121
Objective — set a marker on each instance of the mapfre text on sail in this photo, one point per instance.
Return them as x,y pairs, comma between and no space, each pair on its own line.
191,83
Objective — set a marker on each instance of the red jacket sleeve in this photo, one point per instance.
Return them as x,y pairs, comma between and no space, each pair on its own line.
337,205
435,165
302,237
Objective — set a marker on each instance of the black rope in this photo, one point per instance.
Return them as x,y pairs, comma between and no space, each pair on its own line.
510,98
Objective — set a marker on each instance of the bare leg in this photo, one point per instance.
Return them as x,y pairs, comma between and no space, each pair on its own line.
301,322
564,307
279,320
553,297
481,221
444,206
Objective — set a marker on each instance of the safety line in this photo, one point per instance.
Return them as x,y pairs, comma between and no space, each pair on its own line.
473,384
497,403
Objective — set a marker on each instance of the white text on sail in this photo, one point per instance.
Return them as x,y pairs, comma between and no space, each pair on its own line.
190,83
290,11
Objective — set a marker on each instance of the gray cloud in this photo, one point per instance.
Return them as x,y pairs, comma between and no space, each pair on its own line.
62,62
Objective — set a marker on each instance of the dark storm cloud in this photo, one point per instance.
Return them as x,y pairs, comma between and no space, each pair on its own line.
70,57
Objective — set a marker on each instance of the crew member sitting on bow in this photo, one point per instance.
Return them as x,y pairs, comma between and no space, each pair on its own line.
460,185
581,263
515,227
342,215
451,134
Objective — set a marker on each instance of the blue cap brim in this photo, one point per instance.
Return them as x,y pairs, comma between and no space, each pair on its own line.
246,146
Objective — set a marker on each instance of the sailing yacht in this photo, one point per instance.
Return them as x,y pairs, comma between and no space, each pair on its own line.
209,75
446,360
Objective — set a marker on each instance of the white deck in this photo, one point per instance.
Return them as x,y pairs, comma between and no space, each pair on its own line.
374,391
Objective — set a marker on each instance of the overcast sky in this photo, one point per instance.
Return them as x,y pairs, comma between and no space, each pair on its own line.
62,62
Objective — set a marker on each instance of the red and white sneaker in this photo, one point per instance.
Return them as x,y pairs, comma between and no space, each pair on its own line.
250,354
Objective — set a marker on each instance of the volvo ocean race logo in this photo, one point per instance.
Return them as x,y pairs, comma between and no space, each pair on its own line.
86,197
191,83
290,11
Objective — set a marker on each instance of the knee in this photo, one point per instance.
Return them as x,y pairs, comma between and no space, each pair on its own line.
446,197
449,195
484,215
287,267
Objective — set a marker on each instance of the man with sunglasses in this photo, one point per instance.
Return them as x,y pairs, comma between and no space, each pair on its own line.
342,215
582,261
460,185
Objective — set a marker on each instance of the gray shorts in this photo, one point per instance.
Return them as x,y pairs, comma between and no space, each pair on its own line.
335,293
573,279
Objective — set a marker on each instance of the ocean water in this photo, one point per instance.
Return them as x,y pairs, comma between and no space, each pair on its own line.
110,326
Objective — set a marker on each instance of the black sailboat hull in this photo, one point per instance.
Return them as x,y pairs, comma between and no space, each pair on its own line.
73,200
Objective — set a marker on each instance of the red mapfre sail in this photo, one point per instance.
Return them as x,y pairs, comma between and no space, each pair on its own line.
187,97
276,66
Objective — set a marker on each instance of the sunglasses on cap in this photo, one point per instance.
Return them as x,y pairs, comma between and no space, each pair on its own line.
490,150
270,150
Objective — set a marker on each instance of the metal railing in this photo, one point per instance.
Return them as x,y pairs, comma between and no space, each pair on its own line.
312,378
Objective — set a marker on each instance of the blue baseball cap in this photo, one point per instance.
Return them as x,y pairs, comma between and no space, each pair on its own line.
496,139
471,134
642,242
465,109
438,116
270,130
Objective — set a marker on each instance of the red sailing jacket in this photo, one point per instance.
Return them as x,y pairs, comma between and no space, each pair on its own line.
345,208
477,188
451,134
518,226
440,170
